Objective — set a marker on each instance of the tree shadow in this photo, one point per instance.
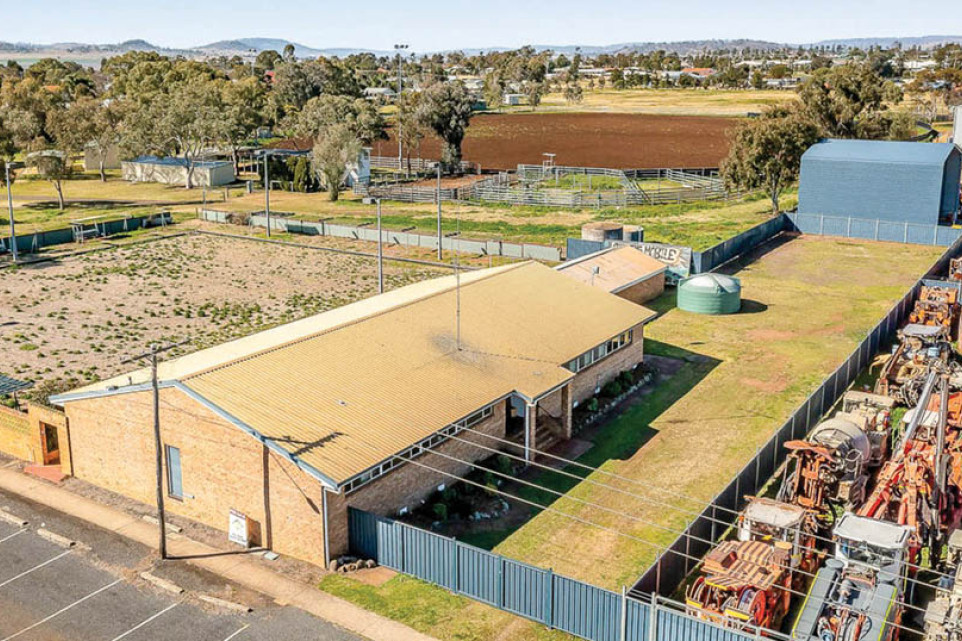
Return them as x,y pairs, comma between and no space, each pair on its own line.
750,306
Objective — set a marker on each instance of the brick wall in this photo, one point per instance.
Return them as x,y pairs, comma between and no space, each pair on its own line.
407,485
16,437
583,385
645,291
112,445
39,415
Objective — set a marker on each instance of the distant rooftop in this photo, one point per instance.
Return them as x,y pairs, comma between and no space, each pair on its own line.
173,161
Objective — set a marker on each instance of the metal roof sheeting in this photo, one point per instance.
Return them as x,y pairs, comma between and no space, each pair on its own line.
11,385
617,268
349,388
925,153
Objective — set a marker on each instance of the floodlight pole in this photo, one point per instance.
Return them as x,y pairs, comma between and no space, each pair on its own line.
13,229
267,194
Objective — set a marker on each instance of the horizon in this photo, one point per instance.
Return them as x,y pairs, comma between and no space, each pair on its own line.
500,24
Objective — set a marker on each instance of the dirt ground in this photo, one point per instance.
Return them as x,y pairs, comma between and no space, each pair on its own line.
623,141
80,316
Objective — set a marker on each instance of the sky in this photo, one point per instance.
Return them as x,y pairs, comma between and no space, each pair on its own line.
433,25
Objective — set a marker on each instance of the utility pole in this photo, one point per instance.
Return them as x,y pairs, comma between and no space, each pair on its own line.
13,229
439,213
155,350
380,251
267,194
400,89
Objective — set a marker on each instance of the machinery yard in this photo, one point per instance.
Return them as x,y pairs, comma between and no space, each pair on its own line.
807,301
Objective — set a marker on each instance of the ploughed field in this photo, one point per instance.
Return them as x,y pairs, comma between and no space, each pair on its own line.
613,140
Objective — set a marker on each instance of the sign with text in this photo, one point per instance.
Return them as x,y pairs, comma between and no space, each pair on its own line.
238,530
676,257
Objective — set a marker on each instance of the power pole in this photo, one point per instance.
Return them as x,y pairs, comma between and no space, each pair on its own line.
155,350
13,229
439,212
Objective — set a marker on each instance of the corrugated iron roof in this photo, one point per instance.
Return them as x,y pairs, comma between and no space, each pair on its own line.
10,385
617,268
883,151
349,388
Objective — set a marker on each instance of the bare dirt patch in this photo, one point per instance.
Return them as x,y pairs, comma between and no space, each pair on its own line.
502,141
79,317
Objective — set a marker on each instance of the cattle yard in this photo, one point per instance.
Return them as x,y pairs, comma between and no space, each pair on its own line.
77,318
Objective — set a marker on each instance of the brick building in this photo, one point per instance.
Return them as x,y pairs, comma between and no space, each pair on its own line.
621,270
293,425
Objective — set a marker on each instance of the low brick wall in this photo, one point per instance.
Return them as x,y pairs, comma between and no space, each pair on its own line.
16,437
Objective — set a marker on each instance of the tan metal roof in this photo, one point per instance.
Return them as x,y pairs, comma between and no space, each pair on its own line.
352,387
617,268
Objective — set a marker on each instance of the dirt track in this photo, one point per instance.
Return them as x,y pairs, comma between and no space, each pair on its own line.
627,141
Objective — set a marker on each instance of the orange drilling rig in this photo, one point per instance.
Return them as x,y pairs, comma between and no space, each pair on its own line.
747,583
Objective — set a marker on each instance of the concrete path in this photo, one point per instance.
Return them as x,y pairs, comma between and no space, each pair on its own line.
233,567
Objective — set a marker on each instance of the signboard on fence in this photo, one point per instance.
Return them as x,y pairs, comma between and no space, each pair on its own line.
677,258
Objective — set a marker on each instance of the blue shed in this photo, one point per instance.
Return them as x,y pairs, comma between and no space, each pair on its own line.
916,182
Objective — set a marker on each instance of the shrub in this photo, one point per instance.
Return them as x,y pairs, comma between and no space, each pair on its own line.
592,404
611,389
441,511
504,464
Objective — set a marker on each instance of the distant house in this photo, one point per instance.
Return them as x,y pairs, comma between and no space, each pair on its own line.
513,99
700,73
173,171
914,182
379,93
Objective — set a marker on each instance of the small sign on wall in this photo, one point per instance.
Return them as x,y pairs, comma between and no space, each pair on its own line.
239,530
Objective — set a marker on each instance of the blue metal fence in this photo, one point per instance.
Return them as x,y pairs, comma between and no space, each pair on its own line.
34,242
873,229
534,593
709,259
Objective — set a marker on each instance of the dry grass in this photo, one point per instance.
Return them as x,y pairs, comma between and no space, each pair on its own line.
809,302
675,102
78,318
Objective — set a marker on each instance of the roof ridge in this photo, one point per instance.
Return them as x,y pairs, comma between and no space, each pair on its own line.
350,323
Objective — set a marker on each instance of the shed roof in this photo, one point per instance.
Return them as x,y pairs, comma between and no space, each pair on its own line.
881,151
174,161
618,268
347,389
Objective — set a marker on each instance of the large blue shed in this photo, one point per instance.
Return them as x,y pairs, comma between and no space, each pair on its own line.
915,182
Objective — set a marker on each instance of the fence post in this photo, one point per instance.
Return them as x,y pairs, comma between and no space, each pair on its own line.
549,598
456,570
500,582
623,631
653,619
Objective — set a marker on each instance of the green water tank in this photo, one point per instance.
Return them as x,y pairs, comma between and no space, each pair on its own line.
710,294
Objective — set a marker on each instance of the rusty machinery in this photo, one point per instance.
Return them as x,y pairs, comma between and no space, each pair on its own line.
943,615
858,594
938,306
747,583
832,467
919,348
921,485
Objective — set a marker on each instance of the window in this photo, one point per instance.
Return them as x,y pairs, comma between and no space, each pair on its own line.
595,354
175,480
420,448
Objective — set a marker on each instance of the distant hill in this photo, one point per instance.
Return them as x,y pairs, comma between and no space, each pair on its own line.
925,42
92,53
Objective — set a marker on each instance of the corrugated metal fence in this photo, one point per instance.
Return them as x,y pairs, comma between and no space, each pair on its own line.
872,229
286,222
537,594
34,242
674,564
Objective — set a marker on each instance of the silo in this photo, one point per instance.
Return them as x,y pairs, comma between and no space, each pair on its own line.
710,294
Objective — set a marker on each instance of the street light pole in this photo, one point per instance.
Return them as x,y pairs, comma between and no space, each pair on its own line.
439,212
13,229
400,90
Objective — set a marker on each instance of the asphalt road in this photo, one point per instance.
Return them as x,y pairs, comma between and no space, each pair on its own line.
93,591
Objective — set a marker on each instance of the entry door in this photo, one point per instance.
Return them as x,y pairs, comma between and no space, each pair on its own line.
51,444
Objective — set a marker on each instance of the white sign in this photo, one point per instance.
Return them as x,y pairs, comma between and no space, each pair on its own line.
237,530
